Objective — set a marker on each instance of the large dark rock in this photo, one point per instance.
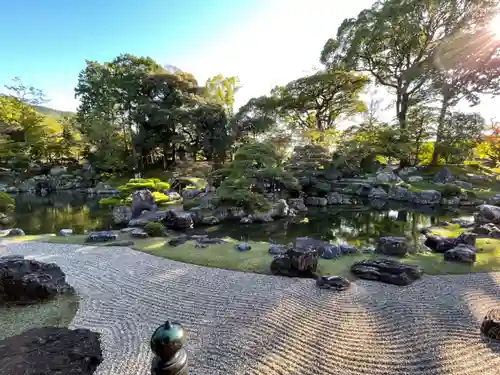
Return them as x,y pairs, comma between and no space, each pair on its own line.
51,351
142,200
122,215
15,232
490,327
396,246
488,214
461,253
444,176
24,281
179,219
296,263
442,244
333,282
387,270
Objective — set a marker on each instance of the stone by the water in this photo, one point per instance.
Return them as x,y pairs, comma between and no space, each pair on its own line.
210,220
103,236
243,246
122,215
325,249
387,271
348,249
330,252
14,232
396,246
51,351
142,200
444,176
179,219
490,327
333,282
178,240
24,281
296,263
441,244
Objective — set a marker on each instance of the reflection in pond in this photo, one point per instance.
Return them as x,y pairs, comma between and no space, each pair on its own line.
58,312
357,224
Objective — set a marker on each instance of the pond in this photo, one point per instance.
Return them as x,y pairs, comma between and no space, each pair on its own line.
41,215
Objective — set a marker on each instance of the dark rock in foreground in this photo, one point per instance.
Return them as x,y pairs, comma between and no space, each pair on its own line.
387,270
490,326
333,282
24,281
51,351
296,263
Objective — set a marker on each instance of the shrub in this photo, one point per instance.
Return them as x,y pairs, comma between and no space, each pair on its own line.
450,190
110,201
154,229
78,229
6,202
160,198
153,184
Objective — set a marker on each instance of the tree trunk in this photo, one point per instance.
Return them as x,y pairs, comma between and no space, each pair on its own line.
402,108
439,133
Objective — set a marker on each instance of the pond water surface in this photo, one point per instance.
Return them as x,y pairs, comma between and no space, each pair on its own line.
41,215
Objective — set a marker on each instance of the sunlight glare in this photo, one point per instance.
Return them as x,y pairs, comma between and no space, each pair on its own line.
495,26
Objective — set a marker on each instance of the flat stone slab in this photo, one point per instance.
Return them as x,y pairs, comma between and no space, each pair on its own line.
240,323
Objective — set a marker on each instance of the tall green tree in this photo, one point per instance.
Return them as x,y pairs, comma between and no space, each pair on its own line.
222,90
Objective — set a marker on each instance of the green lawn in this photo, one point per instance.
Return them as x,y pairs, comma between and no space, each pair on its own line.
258,260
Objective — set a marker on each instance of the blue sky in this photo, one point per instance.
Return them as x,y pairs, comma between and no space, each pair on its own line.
263,42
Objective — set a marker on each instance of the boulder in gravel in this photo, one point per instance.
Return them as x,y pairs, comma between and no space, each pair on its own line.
25,281
142,200
444,176
333,282
296,263
396,246
122,215
461,253
387,271
490,326
102,236
51,351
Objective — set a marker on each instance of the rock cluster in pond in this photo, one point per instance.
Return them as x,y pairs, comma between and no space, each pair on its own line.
387,271
296,262
333,282
490,326
51,351
325,250
25,281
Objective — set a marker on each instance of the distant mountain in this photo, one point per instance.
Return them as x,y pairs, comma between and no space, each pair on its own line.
52,112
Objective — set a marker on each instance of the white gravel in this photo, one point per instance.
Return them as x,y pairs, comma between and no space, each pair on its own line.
241,323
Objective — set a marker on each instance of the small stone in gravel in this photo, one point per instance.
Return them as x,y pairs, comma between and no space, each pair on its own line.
243,246
333,282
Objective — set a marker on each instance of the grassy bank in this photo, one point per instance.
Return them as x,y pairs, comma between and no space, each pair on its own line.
258,259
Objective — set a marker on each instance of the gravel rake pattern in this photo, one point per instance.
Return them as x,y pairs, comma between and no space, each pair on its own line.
240,323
